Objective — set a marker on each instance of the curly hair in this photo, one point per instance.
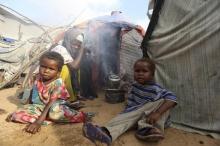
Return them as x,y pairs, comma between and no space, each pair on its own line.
150,62
54,56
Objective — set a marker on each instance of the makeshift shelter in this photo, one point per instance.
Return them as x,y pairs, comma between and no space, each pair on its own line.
20,40
108,43
183,39
98,42
111,49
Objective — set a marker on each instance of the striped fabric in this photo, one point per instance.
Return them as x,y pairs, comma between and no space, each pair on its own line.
142,94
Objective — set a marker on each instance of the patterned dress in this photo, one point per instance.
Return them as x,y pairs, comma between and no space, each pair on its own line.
41,95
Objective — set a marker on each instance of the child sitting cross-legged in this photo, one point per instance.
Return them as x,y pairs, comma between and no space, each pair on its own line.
48,99
148,106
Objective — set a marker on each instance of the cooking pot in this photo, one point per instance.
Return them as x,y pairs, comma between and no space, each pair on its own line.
114,95
113,81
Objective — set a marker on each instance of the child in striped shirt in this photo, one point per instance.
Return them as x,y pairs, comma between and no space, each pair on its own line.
148,106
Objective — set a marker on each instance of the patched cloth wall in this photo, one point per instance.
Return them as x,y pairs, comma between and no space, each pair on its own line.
186,46
130,52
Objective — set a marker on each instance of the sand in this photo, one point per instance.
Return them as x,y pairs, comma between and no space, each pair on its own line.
11,134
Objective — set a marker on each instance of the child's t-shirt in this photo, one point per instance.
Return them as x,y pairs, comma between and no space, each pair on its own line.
142,94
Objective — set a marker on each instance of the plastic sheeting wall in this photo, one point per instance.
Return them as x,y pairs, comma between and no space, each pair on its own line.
186,46
130,52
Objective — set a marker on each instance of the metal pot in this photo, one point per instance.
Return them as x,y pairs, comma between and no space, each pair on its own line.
113,81
114,95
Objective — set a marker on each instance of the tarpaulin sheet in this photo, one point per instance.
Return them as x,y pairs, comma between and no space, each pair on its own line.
186,47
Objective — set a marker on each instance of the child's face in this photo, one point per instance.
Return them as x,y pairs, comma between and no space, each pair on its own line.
48,69
142,73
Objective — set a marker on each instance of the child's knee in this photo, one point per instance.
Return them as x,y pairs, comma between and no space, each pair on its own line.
55,113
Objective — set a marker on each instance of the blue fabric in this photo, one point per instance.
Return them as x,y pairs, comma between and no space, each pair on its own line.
9,40
142,94
35,96
94,132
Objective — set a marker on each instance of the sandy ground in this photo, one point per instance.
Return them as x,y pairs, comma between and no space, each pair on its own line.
11,134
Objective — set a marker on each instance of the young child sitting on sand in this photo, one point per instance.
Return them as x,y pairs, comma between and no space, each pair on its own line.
148,106
48,99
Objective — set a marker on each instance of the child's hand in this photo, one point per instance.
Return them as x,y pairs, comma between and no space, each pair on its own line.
153,117
33,128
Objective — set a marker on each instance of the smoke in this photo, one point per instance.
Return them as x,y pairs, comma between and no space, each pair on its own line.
102,43
103,40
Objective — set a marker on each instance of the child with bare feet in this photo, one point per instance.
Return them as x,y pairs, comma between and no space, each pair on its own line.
48,102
